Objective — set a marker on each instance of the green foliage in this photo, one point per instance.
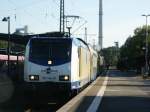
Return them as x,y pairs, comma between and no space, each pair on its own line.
133,51
3,44
110,55
17,47
14,47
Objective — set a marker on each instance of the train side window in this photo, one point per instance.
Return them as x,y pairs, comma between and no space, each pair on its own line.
79,52
86,58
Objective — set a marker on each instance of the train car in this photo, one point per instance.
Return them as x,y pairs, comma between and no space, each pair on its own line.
93,65
100,64
15,66
12,59
4,57
56,65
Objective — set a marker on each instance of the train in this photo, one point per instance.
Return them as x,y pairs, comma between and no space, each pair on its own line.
4,57
13,60
93,63
58,65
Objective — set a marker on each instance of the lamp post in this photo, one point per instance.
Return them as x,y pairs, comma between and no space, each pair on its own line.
7,19
146,46
117,50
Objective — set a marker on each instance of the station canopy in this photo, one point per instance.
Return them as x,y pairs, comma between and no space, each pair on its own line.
23,39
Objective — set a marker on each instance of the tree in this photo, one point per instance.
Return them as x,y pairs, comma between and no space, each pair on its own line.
3,44
110,55
133,51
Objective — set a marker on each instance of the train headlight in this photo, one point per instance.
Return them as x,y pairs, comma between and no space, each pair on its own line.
49,62
64,78
33,77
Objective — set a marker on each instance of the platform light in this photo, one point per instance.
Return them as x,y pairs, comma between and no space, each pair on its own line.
146,46
7,19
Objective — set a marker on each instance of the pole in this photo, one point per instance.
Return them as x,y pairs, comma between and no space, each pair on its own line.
7,19
146,55
100,38
85,38
146,48
69,28
8,45
62,16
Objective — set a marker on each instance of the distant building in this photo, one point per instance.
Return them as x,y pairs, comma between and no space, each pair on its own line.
22,31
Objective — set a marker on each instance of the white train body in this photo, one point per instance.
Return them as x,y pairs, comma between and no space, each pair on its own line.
58,64
94,60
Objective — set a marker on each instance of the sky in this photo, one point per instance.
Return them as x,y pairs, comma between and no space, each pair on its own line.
120,17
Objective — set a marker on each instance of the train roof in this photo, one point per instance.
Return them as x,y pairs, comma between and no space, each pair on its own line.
78,41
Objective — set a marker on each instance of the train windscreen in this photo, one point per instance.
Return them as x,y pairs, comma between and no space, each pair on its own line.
56,50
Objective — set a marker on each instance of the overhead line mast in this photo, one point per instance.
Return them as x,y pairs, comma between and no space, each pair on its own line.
62,16
100,38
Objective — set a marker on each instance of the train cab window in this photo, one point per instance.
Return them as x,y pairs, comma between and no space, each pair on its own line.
39,49
60,50
44,49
